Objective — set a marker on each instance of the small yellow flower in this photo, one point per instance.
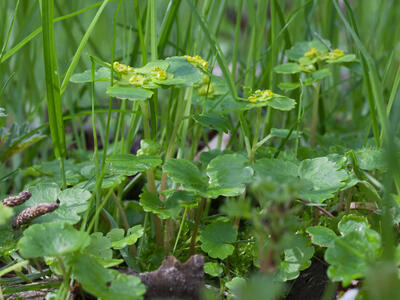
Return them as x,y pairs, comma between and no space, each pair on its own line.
312,53
267,94
252,99
260,95
120,68
161,75
197,61
336,53
158,73
137,80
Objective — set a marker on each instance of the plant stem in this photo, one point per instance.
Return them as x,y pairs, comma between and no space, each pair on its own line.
53,94
196,225
150,177
315,116
180,229
237,37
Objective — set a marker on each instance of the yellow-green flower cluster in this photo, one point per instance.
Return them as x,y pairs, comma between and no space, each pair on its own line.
335,54
260,95
137,77
204,87
137,80
313,55
120,68
158,73
197,61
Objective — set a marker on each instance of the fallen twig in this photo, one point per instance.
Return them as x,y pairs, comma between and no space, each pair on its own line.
321,209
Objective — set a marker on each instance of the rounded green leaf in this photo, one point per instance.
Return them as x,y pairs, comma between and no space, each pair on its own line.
235,283
275,169
213,269
132,236
228,175
186,173
297,258
213,121
100,246
350,256
277,102
215,239
129,92
289,68
164,209
73,201
298,50
323,177
288,86
129,164
352,223
102,74
321,236
51,239
185,74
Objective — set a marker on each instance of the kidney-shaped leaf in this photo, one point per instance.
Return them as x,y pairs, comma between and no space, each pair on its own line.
186,173
129,92
289,68
216,239
277,102
228,175
129,164
51,239
213,121
164,209
275,169
73,201
297,258
102,74
321,236
185,73
351,254
324,177
132,236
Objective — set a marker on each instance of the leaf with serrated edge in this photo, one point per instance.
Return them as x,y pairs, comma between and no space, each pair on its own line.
215,239
51,239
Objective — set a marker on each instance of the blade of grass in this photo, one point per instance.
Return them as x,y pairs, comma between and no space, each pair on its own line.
214,44
166,24
9,31
54,104
392,93
389,146
33,34
81,46
368,66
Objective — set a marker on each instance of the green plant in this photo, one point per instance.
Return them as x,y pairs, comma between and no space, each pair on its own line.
270,152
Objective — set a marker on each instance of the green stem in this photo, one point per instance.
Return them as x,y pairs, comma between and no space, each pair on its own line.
54,104
196,225
315,116
237,37
180,229
150,176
